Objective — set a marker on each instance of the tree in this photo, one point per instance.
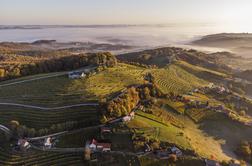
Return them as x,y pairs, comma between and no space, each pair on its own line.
172,158
14,124
147,93
31,132
103,119
15,72
21,131
87,154
244,149
242,113
2,73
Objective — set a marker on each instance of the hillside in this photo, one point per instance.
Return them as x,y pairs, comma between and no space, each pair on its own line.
247,75
238,43
148,103
163,56
226,40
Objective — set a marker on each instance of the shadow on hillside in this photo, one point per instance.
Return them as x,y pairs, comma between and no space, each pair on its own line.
222,128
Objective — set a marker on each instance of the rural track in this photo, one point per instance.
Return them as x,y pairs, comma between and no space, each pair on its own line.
33,79
45,77
48,108
82,149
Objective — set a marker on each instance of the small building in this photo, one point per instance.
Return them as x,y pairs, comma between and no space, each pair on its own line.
221,89
132,115
76,75
176,151
196,90
48,142
210,85
126,118
99,146
23,144
211,163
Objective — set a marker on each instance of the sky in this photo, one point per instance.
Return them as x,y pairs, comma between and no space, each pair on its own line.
82,12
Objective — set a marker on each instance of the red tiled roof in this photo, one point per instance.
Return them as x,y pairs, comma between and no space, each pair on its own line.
104,145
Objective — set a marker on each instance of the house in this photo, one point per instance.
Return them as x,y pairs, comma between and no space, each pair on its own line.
23,144
176,151
211,163
132,115
76,75
126,118
210,85
97,146
221,89
48,142
196,90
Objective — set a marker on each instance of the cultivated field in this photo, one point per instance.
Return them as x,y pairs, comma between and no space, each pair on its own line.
40,158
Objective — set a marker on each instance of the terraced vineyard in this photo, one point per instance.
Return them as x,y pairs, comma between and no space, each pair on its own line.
206,74
110,80
40,158
175,79
45,118
199,114
46,92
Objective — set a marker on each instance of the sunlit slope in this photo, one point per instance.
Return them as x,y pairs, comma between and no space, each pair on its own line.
172,78
175,79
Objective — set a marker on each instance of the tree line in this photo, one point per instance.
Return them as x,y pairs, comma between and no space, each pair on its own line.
124,103
64,63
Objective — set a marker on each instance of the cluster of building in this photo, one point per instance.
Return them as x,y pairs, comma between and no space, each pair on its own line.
23,144
164,154
128,117
79,74
76,75
216,88
101,146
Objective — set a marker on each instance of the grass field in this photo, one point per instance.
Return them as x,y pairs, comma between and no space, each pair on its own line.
78,139
193,136
200,72
168,132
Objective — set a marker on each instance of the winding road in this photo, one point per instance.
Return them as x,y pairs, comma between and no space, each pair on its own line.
48,108
45,77
33,79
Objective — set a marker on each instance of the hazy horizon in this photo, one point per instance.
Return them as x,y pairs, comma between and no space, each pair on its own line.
113,12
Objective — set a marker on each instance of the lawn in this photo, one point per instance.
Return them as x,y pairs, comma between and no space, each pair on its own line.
167,133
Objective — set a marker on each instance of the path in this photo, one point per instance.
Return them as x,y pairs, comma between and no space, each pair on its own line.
49,108
33,79
44,77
